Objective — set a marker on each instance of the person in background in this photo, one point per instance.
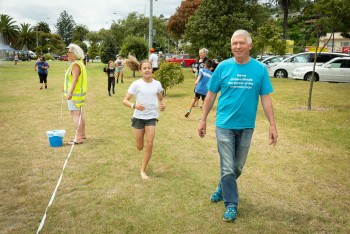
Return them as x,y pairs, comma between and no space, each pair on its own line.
153,58
119,68
75,87
201,89
41,66
200,64
161,57
149,97
110,71
16,59
241,80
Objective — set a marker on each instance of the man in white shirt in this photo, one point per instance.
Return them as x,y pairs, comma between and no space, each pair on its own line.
153,58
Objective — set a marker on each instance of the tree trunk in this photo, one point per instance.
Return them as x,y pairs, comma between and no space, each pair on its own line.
285,22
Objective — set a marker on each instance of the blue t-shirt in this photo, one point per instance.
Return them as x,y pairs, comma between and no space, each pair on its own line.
40,66
201,87
240,86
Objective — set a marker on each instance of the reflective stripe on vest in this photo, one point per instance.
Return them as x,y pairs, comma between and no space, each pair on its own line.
79,93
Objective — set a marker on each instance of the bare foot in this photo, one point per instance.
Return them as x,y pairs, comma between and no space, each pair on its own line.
144,176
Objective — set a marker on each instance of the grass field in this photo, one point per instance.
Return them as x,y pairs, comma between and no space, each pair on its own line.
300,186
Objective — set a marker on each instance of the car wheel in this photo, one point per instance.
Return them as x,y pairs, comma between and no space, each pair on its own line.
308,76
281,74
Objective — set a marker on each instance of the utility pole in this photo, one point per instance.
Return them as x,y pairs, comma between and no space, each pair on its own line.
150,33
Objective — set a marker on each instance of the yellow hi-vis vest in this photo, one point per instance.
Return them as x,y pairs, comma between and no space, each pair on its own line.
79,93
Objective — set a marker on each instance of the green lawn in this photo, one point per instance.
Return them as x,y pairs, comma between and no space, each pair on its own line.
300,186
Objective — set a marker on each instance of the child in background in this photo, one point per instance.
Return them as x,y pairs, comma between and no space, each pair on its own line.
149,96
110,71
119,70
201,89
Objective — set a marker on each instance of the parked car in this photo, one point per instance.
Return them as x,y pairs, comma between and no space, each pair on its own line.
271,59
183,59
335,70
285,68
63,57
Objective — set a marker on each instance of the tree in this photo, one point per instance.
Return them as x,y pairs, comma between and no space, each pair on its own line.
330,16
80,32
8,29
65,26
43,27
286,5
269,35
169,75
93,51
26,36
177,22
137,25
108,49
136,47
208,27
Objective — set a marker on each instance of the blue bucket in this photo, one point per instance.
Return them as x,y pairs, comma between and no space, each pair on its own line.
56,137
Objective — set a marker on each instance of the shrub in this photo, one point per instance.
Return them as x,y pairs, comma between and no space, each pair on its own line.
169,74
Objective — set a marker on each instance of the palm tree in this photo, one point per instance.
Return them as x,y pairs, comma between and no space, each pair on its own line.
287,5
26,36
8,29
44,27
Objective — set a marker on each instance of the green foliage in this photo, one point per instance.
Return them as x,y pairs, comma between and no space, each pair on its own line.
65,26
108,49
93,50
26,36
135,46
80,32
331,16
169,74
137,25
208,27
269,35
8,29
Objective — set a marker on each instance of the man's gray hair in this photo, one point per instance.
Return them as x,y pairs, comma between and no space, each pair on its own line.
77,51
204,50
242,32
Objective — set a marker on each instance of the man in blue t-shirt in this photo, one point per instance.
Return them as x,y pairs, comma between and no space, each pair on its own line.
241,80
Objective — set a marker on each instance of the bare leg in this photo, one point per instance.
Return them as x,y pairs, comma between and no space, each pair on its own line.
149,132
80,127
191,106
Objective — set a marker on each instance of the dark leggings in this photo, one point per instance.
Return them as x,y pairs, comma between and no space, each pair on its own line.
42,78
111,82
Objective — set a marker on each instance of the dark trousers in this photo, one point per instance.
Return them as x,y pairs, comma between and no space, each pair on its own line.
111,82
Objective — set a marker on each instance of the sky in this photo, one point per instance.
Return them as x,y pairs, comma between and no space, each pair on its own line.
95,14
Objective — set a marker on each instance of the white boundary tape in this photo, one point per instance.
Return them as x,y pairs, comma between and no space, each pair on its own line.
61,176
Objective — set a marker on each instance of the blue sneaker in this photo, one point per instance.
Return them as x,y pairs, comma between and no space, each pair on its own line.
230,214
217,195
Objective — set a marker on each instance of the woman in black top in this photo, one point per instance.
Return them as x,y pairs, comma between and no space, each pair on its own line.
110,71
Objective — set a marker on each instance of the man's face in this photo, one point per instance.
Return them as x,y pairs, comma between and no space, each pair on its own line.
240,47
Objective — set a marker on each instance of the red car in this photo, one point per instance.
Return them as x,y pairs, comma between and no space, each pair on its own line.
183,59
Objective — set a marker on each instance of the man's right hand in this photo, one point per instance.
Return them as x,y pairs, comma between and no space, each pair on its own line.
202,127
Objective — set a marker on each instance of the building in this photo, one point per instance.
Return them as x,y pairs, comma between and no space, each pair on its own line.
336,43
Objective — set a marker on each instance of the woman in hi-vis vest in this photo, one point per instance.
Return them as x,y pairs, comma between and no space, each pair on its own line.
75,84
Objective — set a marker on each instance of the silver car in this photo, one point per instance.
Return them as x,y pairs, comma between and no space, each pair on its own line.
335,70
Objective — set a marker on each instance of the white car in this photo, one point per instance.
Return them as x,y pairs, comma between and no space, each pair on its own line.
285,68
335,70
270,60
